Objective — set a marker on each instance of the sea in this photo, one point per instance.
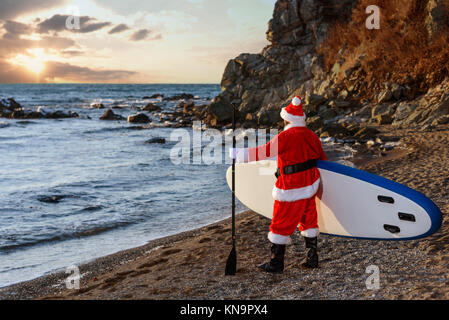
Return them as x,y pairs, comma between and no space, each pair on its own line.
72,190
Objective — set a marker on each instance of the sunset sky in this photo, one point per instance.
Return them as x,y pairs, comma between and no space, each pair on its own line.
132,41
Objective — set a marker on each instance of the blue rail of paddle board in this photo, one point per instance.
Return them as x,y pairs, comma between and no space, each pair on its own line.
432,210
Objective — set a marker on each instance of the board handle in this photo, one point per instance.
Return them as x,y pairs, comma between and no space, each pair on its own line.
385,199
392,229
407,217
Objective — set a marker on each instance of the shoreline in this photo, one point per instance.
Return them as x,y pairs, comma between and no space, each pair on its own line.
190,265
31,289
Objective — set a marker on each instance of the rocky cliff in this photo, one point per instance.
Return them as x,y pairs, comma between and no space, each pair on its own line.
322,51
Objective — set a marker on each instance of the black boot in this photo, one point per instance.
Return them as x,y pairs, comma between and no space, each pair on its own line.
276,264
312,253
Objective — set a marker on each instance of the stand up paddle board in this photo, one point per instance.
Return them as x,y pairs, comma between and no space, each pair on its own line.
351,203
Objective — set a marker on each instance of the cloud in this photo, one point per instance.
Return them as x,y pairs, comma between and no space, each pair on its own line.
64,72
154,6
69,72
140,35
120,28
10,9
14,74
94,27
12,44
59,23
143,34
15,29
71,53
56,43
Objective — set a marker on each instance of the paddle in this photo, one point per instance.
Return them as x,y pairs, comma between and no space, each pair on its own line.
231,263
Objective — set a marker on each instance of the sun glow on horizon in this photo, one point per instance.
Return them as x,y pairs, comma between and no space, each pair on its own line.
146,42
34,61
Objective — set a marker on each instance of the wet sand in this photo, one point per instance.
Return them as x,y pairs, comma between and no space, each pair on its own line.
191,265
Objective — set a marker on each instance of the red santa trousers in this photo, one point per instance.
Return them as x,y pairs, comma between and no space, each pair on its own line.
287,216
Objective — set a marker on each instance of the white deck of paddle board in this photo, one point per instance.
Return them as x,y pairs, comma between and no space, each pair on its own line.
346,206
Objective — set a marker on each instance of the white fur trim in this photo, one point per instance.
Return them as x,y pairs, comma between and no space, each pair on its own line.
296,120
293,195
291,125
296,101
310,233
278,239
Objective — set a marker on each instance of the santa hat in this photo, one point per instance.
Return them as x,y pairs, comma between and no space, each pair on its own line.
294,113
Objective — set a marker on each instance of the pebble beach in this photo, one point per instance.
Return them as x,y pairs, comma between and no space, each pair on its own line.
190,265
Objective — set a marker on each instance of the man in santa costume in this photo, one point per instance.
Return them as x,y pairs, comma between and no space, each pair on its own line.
297,149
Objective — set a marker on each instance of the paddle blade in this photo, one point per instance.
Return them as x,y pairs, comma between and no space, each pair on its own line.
231,264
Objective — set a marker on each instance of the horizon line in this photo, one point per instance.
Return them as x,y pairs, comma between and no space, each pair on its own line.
109,83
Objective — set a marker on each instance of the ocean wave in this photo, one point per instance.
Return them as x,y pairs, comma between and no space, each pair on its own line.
25,122
116,129
14,268
55,198
49,103
73,100
63,236
71,214
106,130
91,209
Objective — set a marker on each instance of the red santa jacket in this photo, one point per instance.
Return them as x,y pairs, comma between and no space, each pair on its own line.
296,144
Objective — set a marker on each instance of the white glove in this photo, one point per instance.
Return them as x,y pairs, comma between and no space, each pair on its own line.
239,154
232,153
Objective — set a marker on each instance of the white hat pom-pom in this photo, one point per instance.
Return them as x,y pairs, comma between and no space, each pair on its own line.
296,101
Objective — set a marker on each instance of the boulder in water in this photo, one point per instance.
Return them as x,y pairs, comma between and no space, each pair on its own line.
156,141
151,108
109,115
187,107
154,96
97,106
8,106
43,111
139,118
61,115
50,199
182,96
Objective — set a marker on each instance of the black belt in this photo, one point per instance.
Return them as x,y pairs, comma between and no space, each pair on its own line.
300,167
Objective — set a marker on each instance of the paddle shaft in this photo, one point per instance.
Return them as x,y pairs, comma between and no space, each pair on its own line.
231,263
233,177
